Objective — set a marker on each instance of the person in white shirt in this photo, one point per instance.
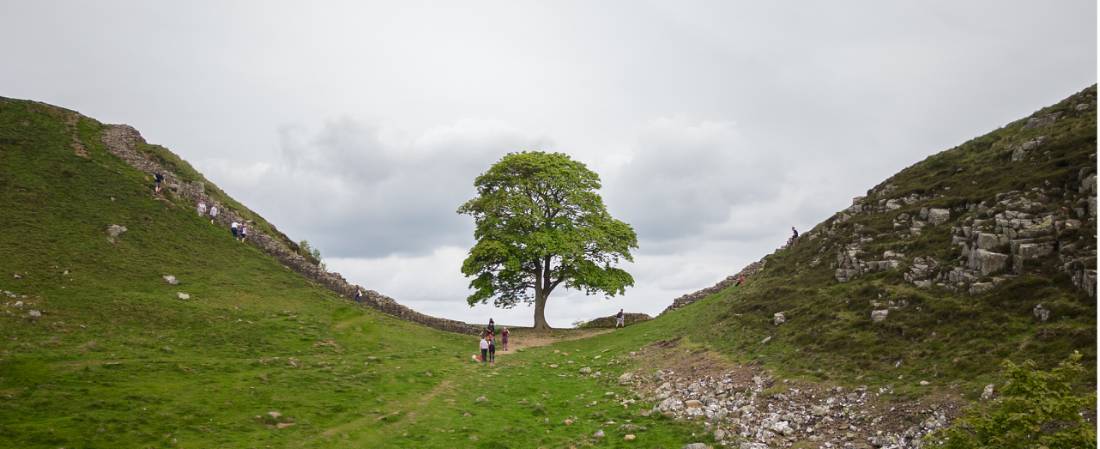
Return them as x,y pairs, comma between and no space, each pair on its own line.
484,349
202,208
620,319
213,213
234,228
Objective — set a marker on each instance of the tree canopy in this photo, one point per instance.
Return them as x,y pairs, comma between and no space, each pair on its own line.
541,224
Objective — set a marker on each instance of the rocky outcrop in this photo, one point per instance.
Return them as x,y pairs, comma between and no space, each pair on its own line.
123,141
755,410
729,281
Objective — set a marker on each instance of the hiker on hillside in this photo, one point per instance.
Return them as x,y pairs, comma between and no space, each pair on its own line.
794,236
620,319
484,348
202,208
243,231
234,227
213,213
358,295
157,180
492,327
504,338
492,350
740,280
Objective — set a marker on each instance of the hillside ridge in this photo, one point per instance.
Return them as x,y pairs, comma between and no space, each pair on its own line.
123,141
984,239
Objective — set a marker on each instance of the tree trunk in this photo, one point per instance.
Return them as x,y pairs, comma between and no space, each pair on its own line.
540,312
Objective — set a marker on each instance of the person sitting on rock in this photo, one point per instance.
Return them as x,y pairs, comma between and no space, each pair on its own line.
620,319
794,236
504,338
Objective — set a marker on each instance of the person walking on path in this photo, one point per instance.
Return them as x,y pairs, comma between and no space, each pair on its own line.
504,338
485,349
620,319
202,208
492,350
213,213
157,180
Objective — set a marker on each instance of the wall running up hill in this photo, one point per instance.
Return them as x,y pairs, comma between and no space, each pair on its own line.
123,141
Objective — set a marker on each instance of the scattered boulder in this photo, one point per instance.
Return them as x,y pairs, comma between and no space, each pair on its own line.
878,316
629,437
481,399
183,296
34,314
696,446
779,318
171,280
1040,312
114,231
599,434
626,378
987,393
585,370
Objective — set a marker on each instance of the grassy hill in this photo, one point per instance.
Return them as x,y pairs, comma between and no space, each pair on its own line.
961,254
944,322
98,351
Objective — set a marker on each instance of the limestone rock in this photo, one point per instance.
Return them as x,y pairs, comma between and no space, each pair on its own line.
183,296
171,280
1040,312
878,316
779,318
34,314
626,378
629,437
987,393
114,231
599,434
938,216
585,370
696,446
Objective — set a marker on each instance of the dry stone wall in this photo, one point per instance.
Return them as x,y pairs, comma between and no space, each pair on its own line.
689,298
123,141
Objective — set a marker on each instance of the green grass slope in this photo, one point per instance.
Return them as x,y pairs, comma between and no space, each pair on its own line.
117,360
944,335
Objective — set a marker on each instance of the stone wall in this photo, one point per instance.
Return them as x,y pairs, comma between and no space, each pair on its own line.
123,141
689,298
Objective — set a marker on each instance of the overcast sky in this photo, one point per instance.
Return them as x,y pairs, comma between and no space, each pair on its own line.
715,126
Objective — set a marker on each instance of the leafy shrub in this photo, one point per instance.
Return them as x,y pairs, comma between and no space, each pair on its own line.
1037,409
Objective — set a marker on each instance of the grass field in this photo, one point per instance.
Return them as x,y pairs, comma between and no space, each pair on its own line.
259,357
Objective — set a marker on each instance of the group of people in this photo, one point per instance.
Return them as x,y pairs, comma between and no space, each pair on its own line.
203,211
238,229
488,342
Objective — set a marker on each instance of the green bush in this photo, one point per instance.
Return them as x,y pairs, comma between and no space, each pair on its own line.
1037,409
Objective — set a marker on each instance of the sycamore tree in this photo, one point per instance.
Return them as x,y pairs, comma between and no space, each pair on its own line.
541,224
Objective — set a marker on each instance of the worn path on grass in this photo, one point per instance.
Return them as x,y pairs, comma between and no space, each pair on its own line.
525,339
